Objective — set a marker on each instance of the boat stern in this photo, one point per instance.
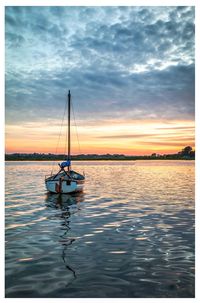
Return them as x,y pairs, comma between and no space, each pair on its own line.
63,186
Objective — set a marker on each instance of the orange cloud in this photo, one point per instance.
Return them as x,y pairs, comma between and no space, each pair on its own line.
137,137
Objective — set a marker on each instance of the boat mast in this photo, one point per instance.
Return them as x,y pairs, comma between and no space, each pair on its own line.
69,138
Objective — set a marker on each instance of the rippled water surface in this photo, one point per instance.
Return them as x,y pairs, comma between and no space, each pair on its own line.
129,234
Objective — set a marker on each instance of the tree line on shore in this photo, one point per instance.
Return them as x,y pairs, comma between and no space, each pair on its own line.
187,153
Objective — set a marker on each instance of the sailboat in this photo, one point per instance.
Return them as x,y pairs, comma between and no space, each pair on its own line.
65,180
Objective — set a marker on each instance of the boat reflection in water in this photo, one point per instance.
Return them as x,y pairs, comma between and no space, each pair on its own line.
68,204
63,201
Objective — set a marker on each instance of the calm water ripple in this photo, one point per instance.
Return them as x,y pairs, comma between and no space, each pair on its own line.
129,234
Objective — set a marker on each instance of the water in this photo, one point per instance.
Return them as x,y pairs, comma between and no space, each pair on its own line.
129,234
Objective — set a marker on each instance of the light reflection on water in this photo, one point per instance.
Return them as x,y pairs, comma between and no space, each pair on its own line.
129,234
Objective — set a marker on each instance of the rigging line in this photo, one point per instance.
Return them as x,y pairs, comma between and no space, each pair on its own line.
58,141
66,140
79,147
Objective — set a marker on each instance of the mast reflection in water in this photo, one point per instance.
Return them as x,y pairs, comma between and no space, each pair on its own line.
63,203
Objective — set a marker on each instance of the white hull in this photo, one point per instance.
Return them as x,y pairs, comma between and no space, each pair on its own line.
65,182
63,187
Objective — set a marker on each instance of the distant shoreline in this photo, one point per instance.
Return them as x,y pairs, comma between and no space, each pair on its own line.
99,160
95,157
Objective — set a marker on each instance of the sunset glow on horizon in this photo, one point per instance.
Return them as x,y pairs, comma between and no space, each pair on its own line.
136,138
131,72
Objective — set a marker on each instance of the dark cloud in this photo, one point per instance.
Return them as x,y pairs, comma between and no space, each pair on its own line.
172,143
185,128
130,62
166,137
132,136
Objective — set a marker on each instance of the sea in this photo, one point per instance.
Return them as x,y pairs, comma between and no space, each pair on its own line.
129,234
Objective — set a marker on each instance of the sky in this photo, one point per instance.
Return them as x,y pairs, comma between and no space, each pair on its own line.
131,72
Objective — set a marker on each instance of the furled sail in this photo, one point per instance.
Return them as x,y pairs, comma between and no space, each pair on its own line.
65,164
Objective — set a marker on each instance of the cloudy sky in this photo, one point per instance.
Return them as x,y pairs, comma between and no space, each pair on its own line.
130,71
